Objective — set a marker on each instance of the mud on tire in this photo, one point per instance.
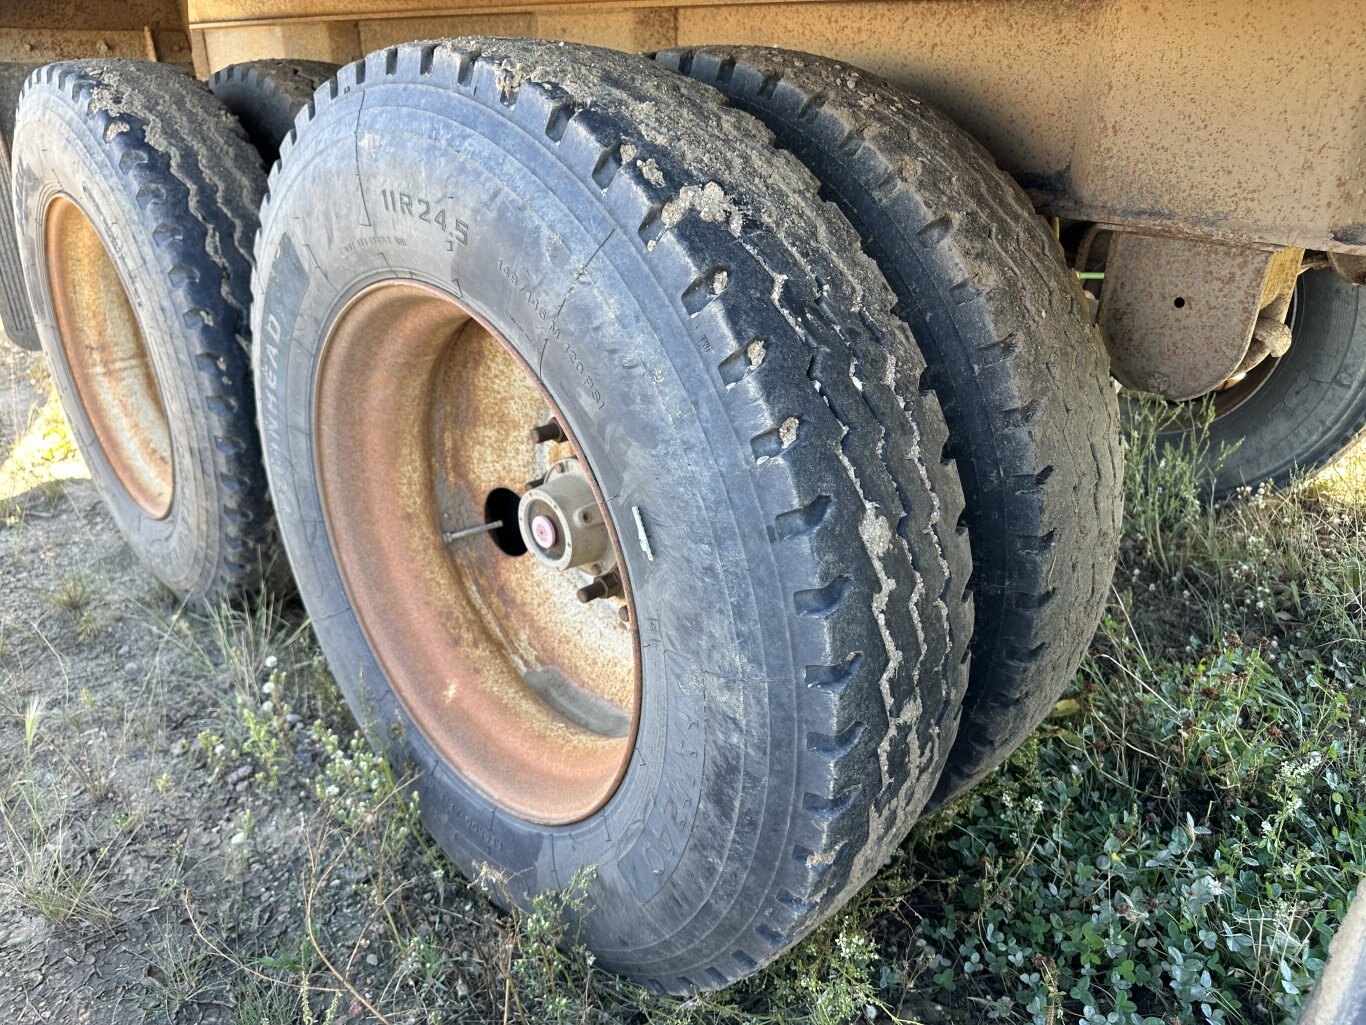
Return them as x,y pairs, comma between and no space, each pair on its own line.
1022,378
725,361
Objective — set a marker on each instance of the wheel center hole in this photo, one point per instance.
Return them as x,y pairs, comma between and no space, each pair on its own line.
501,504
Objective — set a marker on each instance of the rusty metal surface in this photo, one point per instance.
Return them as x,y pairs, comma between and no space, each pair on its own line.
529,693
1222,119
1178,315
1349,268
109,363
43,46
39,31
129,15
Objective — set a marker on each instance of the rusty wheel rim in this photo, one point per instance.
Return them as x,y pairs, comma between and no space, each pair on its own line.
422,430
110,365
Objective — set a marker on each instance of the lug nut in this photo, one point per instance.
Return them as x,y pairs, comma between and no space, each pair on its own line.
550,431
543,532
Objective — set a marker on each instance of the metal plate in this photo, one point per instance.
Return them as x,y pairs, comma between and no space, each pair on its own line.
1177,315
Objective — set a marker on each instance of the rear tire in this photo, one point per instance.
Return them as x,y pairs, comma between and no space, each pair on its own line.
16,315
267,95
1294,414
1022,377
136,199
793,567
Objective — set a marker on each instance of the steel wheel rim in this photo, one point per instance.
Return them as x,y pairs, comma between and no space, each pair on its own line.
110,366
531,695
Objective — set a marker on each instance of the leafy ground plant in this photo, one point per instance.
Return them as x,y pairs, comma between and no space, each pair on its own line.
194,828
1180,840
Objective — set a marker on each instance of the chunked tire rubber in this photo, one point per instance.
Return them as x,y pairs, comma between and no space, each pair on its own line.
266,96
1022,377
725,358
136,198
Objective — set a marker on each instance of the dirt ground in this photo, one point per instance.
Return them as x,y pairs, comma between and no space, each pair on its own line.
104,683
120,848
178,842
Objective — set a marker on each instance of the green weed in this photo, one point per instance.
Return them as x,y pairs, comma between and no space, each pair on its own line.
72,594
1180,839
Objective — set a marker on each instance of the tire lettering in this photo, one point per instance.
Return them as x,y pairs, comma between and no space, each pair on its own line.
429,212
551,327
669,822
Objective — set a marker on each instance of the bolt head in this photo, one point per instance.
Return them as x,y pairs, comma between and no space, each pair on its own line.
543,532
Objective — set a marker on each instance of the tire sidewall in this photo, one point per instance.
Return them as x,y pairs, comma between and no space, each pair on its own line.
718,724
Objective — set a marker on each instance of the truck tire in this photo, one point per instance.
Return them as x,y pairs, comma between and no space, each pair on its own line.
1296,413
136,198
266,96
1022,378
468,235
16,316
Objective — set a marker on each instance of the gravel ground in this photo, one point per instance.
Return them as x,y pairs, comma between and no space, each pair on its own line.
117,839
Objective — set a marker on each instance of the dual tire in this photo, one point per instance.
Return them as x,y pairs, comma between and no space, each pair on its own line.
761,433
737,714
136,200
721,356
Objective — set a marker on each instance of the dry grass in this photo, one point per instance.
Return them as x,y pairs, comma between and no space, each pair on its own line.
187,803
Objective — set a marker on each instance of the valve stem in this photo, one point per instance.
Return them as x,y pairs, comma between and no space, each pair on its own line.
482,528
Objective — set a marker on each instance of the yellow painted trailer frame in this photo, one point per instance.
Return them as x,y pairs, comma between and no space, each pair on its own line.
1215,119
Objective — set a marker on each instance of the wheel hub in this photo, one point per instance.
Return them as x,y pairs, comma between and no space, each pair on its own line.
561,524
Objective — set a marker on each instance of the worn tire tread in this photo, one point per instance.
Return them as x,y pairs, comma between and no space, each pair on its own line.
199,183
641,135
1022,376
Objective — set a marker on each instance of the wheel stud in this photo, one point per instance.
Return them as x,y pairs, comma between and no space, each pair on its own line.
549,431
600,587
